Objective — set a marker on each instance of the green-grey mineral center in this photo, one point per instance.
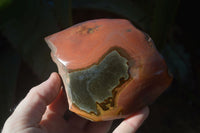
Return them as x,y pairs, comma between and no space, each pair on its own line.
93,85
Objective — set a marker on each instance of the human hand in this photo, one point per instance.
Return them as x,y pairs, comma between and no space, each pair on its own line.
43,109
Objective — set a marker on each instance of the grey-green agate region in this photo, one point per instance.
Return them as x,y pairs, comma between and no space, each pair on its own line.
95,84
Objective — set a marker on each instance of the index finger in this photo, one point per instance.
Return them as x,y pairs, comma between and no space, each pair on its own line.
131,124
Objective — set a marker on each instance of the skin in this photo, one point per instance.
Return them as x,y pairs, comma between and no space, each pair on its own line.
43,110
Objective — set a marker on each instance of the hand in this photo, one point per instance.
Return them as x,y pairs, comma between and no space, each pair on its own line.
43,109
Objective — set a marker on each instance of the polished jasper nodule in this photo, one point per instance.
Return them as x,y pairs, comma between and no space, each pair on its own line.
93,85
110,69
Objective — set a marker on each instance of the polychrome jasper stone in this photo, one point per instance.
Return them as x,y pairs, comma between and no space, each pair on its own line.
109,68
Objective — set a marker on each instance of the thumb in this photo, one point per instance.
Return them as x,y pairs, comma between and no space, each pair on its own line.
33,106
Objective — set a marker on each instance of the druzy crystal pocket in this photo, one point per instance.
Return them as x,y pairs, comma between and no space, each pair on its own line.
109,68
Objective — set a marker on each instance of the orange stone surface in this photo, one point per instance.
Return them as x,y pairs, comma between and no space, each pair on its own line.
109,68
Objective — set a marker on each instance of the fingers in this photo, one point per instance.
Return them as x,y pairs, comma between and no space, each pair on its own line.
59,105
131,124
32,107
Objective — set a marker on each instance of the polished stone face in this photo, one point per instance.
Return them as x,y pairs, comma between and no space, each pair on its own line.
94,85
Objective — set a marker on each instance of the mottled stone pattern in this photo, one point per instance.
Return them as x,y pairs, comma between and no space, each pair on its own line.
96,83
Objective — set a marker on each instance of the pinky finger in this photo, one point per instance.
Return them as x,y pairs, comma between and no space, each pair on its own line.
131,124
